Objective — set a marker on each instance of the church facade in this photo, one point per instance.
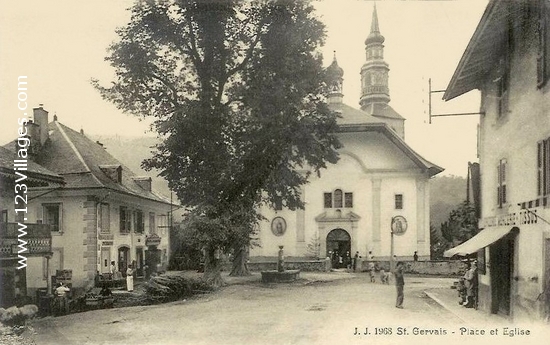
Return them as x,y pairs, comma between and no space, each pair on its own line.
375,198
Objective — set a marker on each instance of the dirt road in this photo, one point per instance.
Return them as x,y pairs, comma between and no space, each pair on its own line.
331,312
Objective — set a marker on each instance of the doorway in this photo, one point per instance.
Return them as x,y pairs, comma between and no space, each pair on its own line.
123,259
502,266
139,261
339,248
547,280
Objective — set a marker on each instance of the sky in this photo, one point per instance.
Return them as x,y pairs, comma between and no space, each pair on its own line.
59,45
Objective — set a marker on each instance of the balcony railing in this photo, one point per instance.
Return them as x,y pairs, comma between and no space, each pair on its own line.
38,239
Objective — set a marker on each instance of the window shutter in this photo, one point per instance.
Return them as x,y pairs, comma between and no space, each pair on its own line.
546,38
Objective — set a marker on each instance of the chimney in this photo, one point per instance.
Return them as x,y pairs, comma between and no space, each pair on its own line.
41,119
144,182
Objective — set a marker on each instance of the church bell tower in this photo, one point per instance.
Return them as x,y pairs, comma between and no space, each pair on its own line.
374,73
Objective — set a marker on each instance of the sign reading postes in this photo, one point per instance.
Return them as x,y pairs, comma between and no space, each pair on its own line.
152,240
398,225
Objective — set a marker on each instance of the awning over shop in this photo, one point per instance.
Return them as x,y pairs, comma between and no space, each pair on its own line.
483,239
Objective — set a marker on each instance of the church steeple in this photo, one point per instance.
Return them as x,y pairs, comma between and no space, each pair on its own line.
374,73
335,80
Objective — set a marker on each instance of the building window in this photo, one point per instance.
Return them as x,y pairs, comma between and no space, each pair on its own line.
501,178
125,220
543,58
398,201
4,217
104,218
162,224
338,198
139,225
152,227
51,214
348,199
503,80
278,203
328,200
543,164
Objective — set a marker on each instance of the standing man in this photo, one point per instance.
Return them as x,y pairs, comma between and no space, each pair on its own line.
415,256
399,284
355,258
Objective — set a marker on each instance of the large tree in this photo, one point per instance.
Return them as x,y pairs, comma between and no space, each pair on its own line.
237,92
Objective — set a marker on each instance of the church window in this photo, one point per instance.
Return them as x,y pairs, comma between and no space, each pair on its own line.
328,200
398,201
338,198
348,199
278,203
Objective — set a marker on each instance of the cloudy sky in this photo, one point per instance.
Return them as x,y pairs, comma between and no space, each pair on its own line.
60,45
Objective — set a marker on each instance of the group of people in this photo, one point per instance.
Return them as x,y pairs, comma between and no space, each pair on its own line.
130,272
339,260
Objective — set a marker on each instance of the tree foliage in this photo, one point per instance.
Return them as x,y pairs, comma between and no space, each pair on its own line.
461,225
237,94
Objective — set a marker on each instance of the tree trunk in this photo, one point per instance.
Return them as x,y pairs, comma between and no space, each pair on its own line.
240,267
212,269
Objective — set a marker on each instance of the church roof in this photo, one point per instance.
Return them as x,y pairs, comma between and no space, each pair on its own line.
380,127
383,110
374,35
334,71
351,115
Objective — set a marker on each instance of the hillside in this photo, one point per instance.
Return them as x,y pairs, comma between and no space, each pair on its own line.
446,193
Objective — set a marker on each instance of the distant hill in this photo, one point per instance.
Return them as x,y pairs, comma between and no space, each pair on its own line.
446,193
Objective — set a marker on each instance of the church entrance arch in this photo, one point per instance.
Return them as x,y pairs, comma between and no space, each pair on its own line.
338,245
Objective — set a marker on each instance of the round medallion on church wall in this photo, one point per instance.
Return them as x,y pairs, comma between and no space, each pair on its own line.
278,226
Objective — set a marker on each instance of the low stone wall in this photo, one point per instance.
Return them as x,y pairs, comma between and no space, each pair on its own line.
302,265
444,268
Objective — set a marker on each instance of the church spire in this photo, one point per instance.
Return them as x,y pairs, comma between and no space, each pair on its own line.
374,23
335,80
374,73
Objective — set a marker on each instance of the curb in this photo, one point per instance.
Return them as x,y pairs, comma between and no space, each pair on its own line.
444,305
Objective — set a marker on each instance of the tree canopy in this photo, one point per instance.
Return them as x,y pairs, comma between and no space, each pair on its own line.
237,93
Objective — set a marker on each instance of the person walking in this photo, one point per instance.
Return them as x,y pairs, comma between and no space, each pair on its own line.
355,259
399,284
130,278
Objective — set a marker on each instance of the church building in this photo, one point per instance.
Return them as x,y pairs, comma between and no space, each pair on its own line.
375,198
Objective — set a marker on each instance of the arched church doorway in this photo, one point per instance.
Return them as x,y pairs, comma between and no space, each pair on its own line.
339,248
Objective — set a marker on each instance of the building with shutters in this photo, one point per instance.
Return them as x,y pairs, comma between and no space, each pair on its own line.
508,60
102,213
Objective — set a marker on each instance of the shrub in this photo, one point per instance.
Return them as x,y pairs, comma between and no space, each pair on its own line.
164,288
